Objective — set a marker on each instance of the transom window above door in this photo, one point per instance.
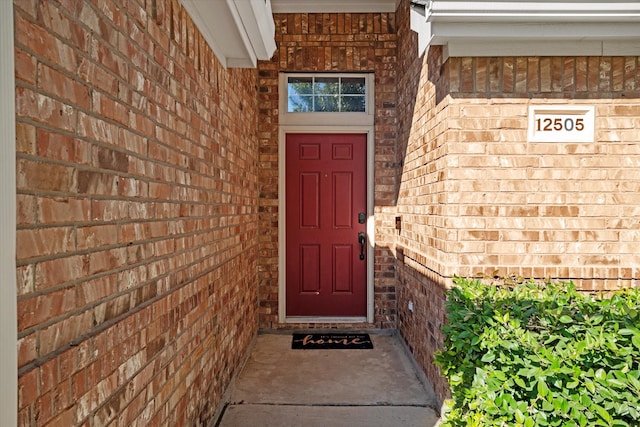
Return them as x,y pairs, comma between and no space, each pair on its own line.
326,98
307,94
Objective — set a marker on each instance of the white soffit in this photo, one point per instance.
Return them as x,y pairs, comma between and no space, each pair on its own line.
528,28
333,6
240,32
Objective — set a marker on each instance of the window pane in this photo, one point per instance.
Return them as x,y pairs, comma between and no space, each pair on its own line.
326,103
352,86
352,103
300,104
300,86
328,93
326,86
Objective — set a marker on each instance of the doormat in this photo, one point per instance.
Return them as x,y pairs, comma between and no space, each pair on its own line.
331,342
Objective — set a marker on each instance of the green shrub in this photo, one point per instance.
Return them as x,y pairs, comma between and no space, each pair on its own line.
527,354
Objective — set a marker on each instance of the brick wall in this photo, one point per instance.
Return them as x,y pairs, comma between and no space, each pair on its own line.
474,196
544,209
489,200
421,156
137,215
346,42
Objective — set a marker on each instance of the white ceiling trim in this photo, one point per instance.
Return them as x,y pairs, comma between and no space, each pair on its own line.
240,32
333,6
528,28
514,11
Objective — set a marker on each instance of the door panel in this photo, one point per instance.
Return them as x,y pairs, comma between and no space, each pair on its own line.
325,191
309,200
342,269
309,269
342,200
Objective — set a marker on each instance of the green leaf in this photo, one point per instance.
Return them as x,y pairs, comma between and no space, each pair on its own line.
572,384
498,401
595,320
583,420
455,379
500,375
565,319
488,357
590,386
581,346
603,413
543,390
616,383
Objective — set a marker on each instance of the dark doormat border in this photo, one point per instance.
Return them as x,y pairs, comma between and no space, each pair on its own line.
331,341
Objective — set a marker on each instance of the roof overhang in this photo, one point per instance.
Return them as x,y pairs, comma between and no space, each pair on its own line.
240,32
333,6
528,28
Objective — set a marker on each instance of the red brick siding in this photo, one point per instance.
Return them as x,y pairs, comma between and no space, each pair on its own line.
336,42
137,240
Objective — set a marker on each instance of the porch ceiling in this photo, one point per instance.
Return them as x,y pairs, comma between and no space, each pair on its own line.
238,31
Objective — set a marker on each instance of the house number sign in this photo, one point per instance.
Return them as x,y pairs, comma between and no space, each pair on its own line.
568,123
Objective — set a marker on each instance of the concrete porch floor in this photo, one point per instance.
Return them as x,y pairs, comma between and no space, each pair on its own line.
279,386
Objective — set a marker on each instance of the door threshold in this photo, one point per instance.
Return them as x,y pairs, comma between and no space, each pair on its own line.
312,319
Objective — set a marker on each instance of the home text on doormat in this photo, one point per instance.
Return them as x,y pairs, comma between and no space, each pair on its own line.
331,342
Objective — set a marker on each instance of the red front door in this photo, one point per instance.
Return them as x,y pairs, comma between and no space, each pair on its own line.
326,209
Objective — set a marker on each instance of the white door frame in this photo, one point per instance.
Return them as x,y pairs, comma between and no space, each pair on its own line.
327,123
8,302
282,206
